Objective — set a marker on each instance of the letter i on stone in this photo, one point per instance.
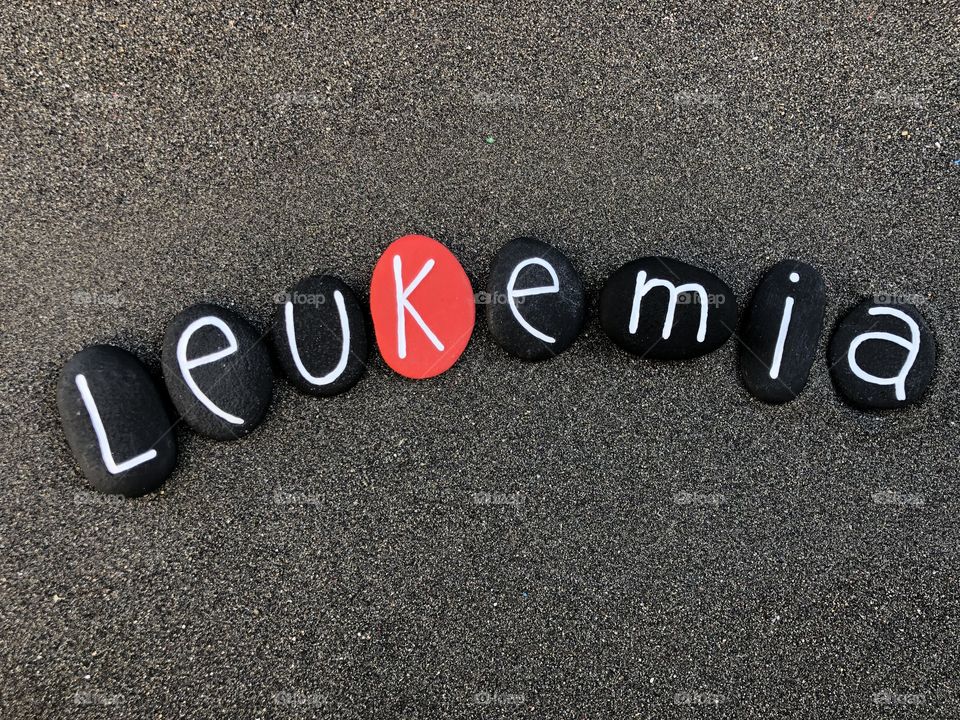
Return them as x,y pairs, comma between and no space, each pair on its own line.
781,331
217,371
115,421
882,355
422,306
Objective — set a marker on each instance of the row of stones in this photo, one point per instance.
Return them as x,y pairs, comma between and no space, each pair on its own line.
217,369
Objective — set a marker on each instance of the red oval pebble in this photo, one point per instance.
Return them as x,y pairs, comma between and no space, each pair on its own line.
422,305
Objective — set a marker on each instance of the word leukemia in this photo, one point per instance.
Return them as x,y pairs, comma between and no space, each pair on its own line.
218,374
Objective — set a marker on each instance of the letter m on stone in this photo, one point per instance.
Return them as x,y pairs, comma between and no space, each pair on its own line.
644,286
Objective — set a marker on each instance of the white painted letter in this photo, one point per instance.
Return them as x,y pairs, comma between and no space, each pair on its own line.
782,335
187,365
105,453
511,294
644,286
912,346
404,306
344,350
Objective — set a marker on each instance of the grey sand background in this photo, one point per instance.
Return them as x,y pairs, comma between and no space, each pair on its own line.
593,536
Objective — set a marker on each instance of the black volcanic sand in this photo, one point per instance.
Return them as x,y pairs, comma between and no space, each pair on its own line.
596,536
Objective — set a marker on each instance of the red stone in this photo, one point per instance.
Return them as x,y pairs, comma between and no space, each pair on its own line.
443,299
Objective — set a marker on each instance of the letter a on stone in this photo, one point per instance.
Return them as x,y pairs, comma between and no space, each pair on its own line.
882,356
912,346
422,306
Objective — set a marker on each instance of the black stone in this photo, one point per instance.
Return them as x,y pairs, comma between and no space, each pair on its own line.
616,305
881,358
239,384
318,335
557,315
804,286
131,414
